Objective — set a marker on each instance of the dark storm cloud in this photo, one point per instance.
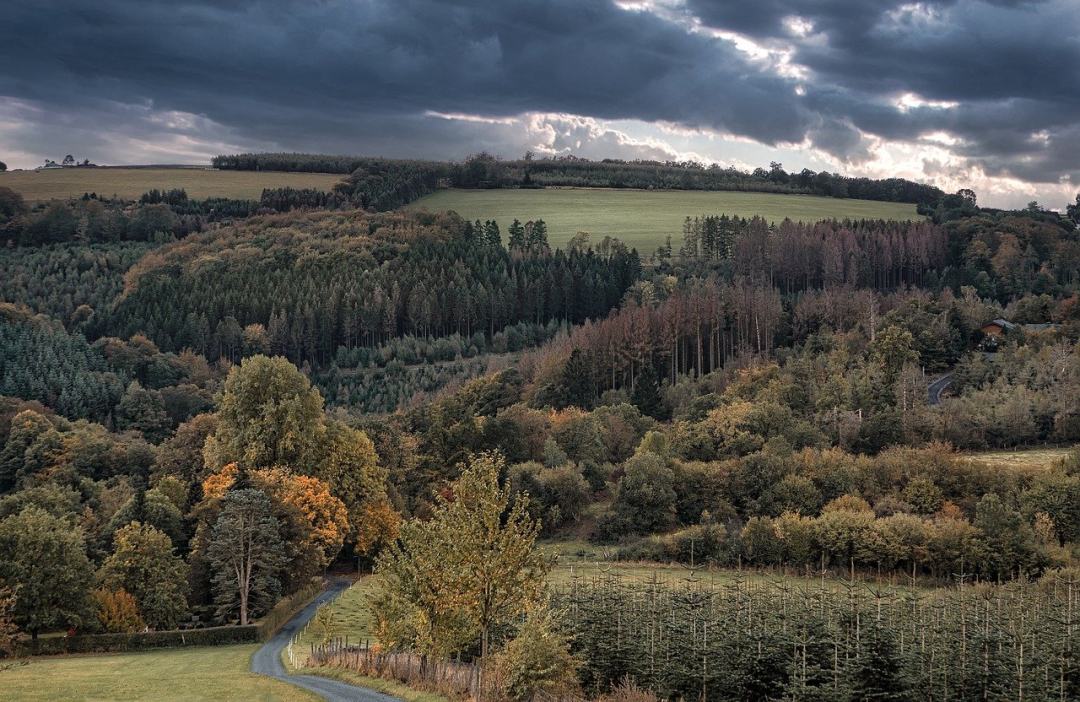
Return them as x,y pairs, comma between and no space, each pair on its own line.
360,75
272,67
1013,67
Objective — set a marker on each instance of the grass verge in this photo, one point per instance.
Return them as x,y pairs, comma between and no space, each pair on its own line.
387,687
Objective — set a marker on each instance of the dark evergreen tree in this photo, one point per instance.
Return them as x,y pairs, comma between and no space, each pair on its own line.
879,672
646,396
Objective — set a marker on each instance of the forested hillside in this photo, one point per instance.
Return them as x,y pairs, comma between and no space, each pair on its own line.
318,282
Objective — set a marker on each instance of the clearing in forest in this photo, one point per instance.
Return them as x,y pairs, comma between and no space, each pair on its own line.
645,218
1025,460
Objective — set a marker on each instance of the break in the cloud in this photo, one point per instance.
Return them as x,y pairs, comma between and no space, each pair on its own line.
981,93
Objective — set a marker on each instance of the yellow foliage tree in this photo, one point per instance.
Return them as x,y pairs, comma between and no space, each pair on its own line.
9,630
351,468
470,570
117,611
379,525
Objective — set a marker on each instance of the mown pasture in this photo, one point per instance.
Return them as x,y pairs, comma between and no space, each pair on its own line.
1034,460
645,218
180,674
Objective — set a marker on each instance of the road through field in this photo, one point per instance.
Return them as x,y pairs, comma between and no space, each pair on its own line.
267,660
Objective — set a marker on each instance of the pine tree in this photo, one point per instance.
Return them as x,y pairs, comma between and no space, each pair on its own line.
246,554
516,234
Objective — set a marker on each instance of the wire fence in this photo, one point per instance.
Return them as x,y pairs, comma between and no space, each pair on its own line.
445,676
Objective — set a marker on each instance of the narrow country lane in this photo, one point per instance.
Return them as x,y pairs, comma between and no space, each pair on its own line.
267,660
937,387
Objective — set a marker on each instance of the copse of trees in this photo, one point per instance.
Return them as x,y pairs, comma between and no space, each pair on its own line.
378,184
382,184
294,162
155,217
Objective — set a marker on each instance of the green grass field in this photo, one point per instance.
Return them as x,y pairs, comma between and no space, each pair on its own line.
182,674
130,183
644,218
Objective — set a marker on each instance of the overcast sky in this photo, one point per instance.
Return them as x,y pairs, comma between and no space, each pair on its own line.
961,93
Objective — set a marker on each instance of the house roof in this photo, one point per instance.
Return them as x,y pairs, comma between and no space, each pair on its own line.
1003,323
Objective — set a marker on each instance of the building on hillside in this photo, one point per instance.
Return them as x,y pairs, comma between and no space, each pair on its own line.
995,330
997,327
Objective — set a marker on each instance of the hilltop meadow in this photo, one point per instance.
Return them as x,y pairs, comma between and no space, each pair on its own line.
644,219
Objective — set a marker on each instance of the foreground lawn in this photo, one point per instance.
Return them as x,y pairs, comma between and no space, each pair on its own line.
130,183
188,674
644,218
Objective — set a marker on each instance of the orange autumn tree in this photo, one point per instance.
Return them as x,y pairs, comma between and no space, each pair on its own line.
309,497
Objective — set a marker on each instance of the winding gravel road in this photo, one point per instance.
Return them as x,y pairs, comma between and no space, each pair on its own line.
937,387
267,660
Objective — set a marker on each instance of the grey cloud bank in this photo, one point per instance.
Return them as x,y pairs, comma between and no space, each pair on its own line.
849,83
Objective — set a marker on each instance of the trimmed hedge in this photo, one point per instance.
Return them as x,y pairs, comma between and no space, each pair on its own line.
108,643
211,636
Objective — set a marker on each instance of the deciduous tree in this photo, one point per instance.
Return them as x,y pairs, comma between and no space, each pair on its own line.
269,416
143,563
44,558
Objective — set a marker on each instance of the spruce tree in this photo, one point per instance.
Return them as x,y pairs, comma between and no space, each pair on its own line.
879,672
646,395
